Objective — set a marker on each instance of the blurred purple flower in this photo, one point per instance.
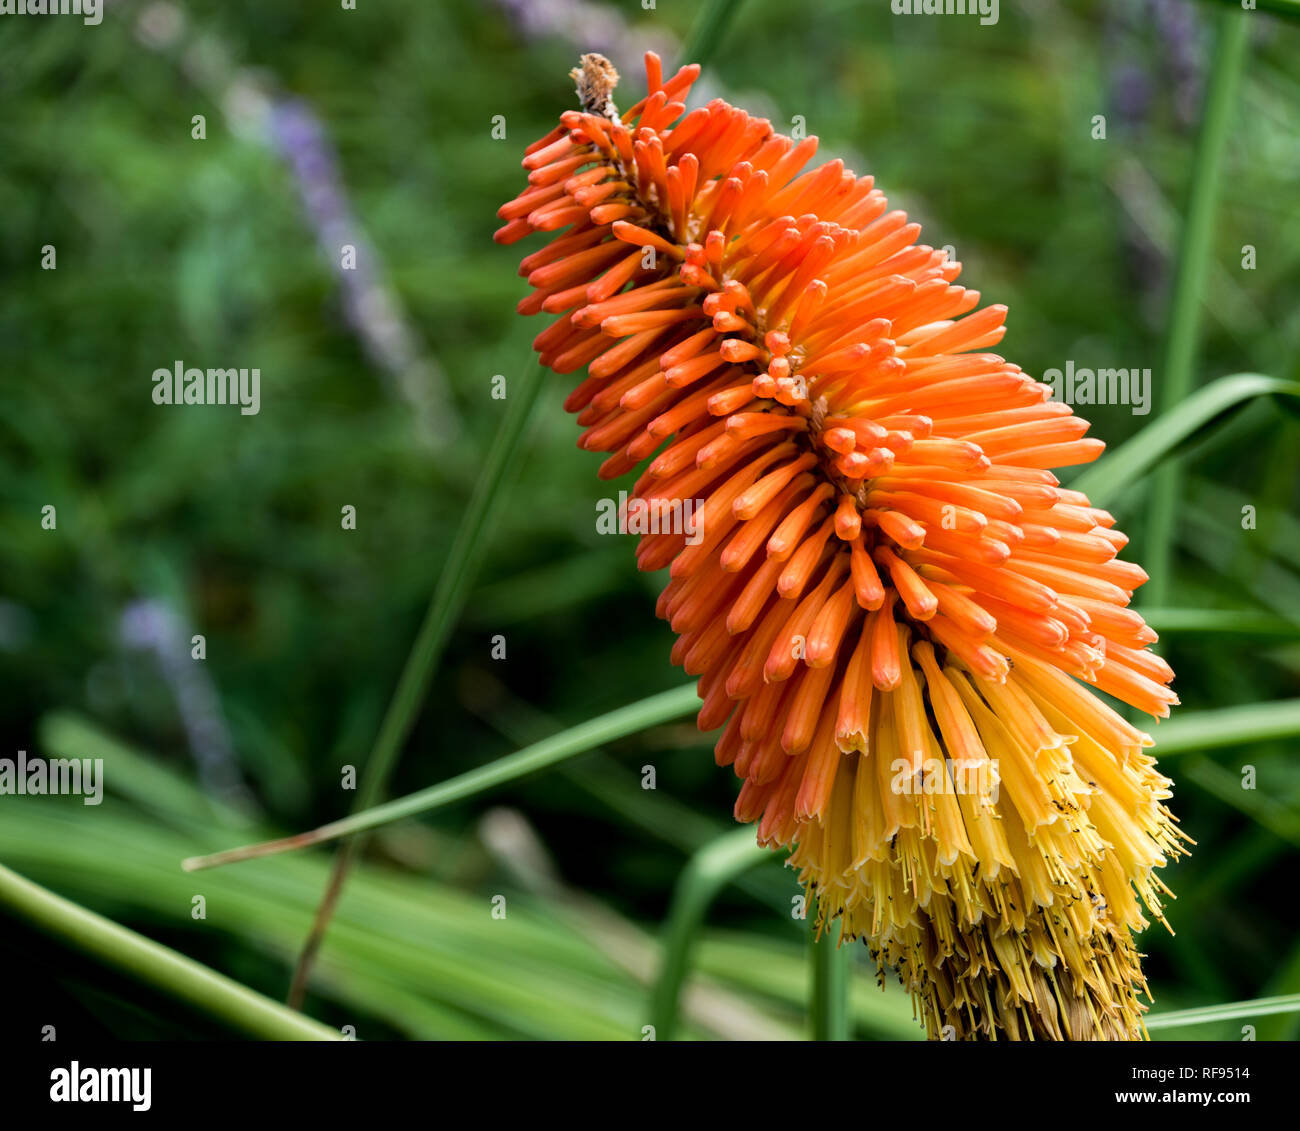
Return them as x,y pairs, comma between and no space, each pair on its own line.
149,625
292,129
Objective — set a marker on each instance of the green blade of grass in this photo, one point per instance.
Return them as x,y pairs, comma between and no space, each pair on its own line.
1182,340
707,32
604,779
881,1012
1195,731
1286,982
1229,1011
449,594
444,609
157,965
707,873
1282,820
425,941
576,740
1190,731
1226,622
1136,457
408,950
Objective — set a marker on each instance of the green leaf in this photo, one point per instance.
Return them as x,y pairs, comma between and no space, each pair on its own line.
576,740
1195,255
708,30
1225,622
1230,1011
1137,456
707,873
1260,806
157,965
1227,726
450,592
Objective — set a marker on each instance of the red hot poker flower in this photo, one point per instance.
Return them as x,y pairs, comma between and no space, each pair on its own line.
896,612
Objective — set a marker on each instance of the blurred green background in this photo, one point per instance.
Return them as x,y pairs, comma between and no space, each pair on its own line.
373,127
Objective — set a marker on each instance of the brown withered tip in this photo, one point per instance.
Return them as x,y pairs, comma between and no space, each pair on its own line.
596,79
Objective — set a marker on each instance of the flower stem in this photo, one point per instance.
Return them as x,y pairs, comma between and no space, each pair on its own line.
707,873
540,755
157,965
708,30
829,1003
1194,257
449,595
444,608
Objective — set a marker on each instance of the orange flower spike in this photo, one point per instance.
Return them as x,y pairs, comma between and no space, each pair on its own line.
884,570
